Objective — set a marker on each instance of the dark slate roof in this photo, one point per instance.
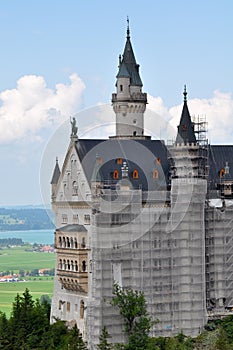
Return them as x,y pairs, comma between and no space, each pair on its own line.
129,66
72,228
56,174
185,132
97,175
123,72
145,156
219,155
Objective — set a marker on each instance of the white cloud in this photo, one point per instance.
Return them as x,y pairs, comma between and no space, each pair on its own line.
32,106
218,111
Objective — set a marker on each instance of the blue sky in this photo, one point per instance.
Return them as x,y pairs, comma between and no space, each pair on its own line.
60,57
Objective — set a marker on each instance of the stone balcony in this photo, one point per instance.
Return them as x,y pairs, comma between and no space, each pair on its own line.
134,97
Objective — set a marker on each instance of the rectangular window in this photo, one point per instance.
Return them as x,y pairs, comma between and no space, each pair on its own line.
68,306
87,219
64,218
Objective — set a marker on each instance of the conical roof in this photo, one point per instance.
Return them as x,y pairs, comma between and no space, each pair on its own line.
128,66
56,174
185,132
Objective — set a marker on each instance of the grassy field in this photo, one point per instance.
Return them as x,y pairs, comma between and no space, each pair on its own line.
16,258
8,291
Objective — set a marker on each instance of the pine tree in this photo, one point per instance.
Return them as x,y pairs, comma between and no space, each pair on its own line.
75,340
103,340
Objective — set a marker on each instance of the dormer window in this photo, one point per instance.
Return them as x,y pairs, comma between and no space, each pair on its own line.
115,174
155,174
119,161
135,174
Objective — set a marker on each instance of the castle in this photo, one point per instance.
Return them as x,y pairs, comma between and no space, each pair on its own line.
146,215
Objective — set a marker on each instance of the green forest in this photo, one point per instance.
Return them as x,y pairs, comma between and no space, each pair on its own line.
25,219
29,328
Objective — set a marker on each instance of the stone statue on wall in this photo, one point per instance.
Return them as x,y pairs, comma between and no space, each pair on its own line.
74,128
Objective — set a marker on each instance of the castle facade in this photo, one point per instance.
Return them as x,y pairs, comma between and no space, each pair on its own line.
145,215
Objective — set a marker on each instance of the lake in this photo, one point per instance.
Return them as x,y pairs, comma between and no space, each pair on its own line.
31,236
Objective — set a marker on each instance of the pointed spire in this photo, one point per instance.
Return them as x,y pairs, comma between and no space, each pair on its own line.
128,31
185,94
185,133
56,173
128,66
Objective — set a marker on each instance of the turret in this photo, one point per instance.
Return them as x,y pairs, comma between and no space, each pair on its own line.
189,158
129,102
185,134
54,181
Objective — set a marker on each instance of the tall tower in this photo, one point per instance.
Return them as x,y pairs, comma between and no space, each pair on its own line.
129,102
188,195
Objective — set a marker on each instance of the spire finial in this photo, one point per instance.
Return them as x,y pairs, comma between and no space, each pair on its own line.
185,94
56,159
128,31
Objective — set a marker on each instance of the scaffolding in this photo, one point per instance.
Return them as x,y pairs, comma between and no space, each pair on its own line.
135,244
200,129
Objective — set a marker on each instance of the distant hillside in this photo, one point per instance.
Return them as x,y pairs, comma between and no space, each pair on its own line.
12,219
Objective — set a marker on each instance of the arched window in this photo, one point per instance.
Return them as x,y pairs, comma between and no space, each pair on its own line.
60,304
115,174
72,265
84,266
83,245
68,264
63,242
59,241
81,309
64,264
75,243
68,242
135,174
71,242
76,266
60,264
74,188
134,133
